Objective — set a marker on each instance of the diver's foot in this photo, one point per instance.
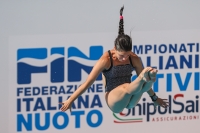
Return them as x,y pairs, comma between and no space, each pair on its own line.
144,75
152,75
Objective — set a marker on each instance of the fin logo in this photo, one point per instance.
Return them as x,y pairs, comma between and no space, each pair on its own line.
36,60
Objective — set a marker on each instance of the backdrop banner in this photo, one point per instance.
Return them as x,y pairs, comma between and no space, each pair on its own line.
45,70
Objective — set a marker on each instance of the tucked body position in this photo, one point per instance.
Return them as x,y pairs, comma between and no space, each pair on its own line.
116,66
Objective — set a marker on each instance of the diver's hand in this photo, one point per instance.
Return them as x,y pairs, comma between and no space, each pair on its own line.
66,105
161,102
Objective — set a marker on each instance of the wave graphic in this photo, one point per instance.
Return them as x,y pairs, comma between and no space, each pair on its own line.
76,65
40,62
83,61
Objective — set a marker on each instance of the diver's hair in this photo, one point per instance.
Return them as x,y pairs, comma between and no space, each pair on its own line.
121,22
123,42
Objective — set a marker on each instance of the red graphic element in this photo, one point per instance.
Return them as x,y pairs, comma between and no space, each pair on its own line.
122,114
178,95
126,121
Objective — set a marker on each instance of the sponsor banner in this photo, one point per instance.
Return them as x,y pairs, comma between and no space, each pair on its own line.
45,70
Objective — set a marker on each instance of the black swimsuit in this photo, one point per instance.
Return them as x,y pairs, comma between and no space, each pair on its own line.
117,75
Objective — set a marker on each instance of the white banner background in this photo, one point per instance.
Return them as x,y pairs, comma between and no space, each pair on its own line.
83,43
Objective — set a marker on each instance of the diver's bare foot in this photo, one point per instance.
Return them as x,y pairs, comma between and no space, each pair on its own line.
152,75
144,75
